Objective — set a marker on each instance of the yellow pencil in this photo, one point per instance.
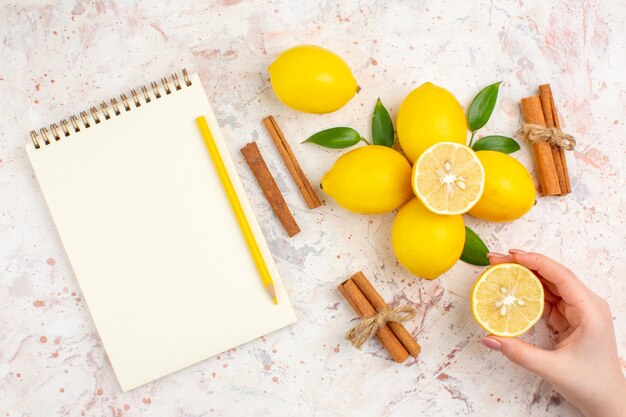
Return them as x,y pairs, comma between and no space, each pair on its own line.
266,278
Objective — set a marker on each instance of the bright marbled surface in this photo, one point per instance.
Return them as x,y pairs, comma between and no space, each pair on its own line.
57,59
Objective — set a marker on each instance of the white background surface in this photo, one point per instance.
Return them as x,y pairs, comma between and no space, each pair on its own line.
58,59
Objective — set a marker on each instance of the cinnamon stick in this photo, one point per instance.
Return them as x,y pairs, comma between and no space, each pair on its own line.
364,309
263,176
378,303
552,120
303,184
568,184
548,178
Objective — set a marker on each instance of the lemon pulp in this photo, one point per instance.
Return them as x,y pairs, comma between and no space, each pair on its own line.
507,299
448,178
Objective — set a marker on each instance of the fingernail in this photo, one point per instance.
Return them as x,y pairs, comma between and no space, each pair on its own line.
492,344
517,251
495,255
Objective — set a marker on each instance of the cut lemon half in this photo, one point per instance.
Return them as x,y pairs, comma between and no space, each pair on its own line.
507,300
448,178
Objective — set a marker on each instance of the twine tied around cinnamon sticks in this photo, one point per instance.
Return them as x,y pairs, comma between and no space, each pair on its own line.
368,327
535,133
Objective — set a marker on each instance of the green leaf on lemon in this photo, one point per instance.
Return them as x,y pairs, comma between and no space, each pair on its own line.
482,106
382,127
336,138
475,251
502,144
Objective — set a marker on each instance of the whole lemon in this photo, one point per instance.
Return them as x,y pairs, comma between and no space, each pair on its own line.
369,180
427,244
509,189
428,115
312,79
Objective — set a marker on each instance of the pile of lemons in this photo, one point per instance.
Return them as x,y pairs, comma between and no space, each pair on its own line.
432,182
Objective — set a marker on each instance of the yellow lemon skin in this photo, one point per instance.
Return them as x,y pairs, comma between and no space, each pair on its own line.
369,180
428,115
425,243
509,189
312,79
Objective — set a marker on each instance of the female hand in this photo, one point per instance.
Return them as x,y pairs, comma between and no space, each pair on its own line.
583,365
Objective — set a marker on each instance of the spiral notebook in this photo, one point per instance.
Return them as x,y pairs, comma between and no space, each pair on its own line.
150,234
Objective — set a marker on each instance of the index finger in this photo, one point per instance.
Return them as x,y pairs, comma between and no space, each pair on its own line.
570,288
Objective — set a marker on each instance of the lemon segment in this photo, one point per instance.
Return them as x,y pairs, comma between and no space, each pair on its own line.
507,300
312,79
448,178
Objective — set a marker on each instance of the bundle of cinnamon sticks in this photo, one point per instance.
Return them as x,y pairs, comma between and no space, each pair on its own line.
367,302
551,164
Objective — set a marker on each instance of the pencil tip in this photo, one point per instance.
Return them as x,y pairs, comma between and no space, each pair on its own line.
270,289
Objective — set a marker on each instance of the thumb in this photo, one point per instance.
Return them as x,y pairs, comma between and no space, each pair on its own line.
521,353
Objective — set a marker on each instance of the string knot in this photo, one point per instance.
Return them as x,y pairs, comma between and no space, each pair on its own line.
535,133
367,328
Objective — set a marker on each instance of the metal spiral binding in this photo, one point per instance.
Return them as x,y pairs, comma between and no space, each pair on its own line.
90,119
55,132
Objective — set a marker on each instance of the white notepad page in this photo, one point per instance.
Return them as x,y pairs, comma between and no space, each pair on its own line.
152,239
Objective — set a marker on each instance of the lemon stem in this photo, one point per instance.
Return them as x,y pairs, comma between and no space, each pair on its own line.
365,140
472,138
